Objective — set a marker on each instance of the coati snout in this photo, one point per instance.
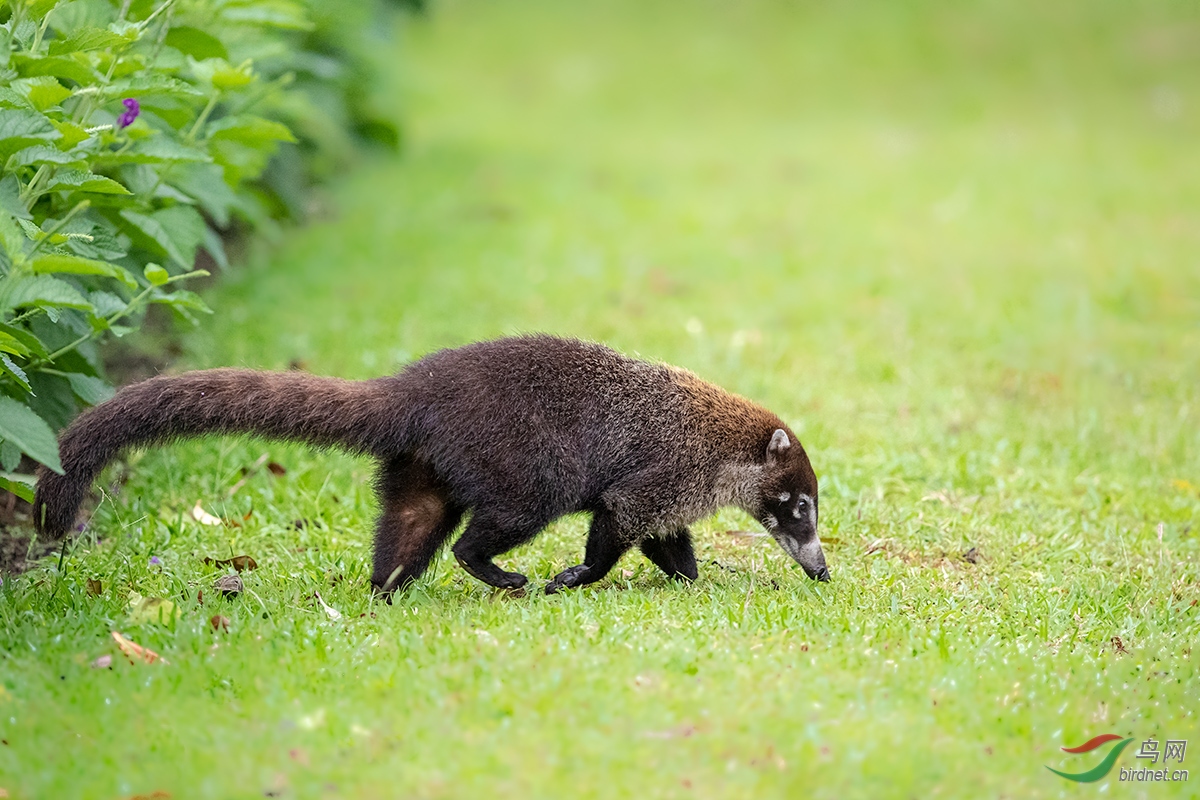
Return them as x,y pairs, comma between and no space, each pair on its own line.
514,433
789,504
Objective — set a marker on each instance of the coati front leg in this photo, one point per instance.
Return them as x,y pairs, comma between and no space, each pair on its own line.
486,537
672,553
608,540
416,518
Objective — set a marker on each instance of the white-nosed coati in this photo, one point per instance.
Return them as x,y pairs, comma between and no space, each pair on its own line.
517,431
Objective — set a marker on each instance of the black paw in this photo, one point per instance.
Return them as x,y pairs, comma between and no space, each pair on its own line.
492,575
566,579
510,580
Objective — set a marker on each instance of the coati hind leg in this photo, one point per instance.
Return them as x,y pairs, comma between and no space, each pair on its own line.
485,538
416,518
608,540
672,553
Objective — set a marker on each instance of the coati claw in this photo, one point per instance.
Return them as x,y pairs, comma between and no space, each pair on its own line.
567,579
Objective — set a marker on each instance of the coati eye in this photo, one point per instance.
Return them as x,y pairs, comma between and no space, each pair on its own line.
803,504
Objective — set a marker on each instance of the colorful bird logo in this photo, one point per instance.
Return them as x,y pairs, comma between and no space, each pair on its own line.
1104,767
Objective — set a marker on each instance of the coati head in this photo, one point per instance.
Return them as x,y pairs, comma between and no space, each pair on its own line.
788,503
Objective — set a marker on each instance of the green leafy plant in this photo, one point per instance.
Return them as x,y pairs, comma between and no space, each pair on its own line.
131,133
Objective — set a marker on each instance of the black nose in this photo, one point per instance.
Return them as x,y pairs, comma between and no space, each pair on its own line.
822,574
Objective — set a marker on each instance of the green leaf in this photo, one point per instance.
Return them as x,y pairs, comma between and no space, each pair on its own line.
20,128
44,154
151,609
30,342
195,42
11,99
177,231
72,134
221,74
12,240
273,13
215,247
39,290
39,8
10,198
58,66
11,344
149,84
20,485
162,149
205,183
28,431
90,390
10,456
156,274
22,32
31,231
183,300
250,130
229,78
105,304
9,367
86,39
105,245
81,266
42,92
83,181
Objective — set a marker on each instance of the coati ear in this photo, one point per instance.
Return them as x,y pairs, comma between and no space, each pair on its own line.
778,446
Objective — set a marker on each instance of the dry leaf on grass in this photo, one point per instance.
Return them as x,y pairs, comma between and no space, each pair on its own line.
229,585
135,652
240,563
219,623
276,468
94,587
151,609
333,613
203,517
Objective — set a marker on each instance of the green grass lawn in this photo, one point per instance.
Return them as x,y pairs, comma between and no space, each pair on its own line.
955,246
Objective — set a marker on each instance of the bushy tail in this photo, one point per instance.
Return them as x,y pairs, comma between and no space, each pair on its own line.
275,405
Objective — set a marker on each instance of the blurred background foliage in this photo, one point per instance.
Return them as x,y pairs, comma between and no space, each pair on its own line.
136,135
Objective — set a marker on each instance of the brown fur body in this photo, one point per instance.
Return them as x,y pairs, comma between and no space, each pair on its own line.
517,431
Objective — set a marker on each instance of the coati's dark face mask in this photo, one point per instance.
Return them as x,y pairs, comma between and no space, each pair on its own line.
789,504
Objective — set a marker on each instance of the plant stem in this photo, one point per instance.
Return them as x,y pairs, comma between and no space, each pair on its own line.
157,11
41,31
80,206
200,120
23,317
129,308
28,191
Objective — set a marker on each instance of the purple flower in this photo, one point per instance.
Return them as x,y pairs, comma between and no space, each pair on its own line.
155,561
132,109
